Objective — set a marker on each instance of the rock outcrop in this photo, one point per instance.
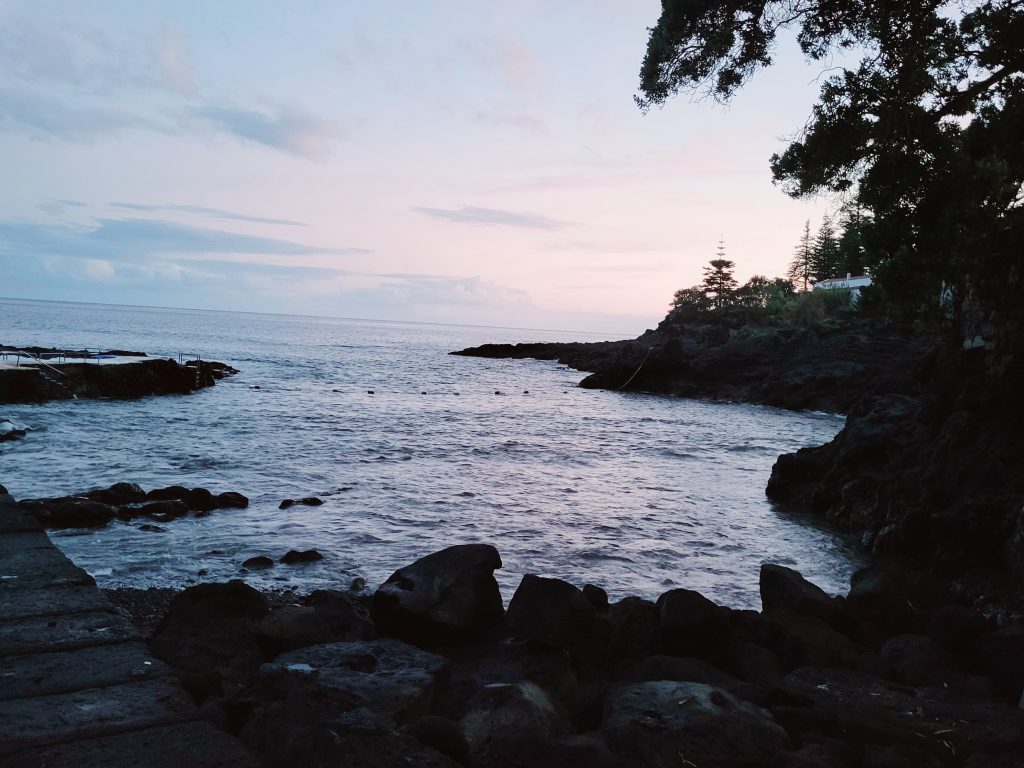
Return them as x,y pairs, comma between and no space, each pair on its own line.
128,501
827,366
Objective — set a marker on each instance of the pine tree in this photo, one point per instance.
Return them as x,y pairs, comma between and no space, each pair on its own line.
799,272
852,254
825,252
719,283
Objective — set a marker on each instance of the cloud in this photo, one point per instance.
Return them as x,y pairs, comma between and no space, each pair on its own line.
140,239
493,217
288,130
172,61
217,213
47,119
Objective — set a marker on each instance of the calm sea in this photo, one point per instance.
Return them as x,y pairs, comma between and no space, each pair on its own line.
635,493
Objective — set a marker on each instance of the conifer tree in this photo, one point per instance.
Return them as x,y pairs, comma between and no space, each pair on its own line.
799,272
852,255
825,252
719,283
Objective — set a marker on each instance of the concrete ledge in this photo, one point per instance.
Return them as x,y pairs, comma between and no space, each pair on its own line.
45,634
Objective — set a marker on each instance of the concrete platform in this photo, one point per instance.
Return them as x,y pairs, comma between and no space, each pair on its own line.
78,687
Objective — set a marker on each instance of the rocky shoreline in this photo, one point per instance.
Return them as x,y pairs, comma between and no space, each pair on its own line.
432,670
54,378
827,366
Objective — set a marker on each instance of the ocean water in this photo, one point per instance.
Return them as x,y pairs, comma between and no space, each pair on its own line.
636,493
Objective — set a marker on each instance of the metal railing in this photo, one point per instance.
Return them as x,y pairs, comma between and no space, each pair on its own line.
20,353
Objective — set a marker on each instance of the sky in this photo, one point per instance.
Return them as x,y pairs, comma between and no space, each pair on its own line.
457,161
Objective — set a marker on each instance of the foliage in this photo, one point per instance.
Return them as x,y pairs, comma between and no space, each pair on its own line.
825,260
922,133
719,285
800,269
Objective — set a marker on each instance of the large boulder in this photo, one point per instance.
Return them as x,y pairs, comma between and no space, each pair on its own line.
692,625
508,724
449,596
663,724
118,493
327,616
209,636
69,512
388,681
786,589
557,614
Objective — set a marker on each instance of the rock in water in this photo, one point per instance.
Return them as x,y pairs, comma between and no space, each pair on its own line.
448,596
259,561
294,556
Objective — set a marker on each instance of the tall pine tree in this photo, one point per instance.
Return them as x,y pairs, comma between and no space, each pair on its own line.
719,284
852,256
799,272
825,252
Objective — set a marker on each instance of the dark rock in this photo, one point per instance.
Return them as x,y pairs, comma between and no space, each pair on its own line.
508,724
679,669
692,625
555,613
898,756
327,617
294,556
152,528
157,510
1000,656
662,724
259,561
209,637
358,584
635,626
597,597
10,432
200,500
392,682
231,500
286,504
69,512
118,494
448,596
916,661
804,641
178,492
441,734
955,627
786,589
311,501
863,710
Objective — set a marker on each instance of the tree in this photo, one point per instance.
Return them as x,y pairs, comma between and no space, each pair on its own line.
800,269
852,256
825,252
690,299
719,285
923,131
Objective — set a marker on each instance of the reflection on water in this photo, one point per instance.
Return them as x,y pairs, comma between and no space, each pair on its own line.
635,493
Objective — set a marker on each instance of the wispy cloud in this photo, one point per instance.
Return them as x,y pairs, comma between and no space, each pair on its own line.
46,118
216,213
494,218
139,239
288,130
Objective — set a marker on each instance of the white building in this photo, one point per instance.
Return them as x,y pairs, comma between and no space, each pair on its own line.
853,284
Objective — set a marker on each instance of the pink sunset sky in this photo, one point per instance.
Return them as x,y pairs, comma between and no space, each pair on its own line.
453,161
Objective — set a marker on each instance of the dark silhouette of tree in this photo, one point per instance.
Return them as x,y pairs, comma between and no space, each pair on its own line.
800,269
923,130
690,299
825,252
719,285
852,256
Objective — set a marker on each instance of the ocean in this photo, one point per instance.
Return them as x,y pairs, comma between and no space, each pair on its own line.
634,493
